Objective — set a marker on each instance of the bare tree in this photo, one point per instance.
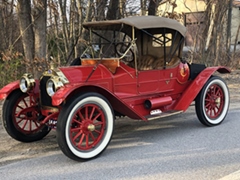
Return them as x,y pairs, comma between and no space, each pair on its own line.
9,27
153,6
26,28
113,10
143,7
100,9
32,24
40,29
122,8
64,24
216,51
229,26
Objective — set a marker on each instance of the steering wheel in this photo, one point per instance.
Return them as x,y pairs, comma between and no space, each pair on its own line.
121,49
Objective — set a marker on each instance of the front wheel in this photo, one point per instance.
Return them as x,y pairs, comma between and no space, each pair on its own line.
212,102
20,118
85,126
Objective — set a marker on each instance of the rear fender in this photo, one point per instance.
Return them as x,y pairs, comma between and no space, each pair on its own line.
195,87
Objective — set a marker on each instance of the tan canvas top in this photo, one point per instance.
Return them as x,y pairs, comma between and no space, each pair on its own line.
139,22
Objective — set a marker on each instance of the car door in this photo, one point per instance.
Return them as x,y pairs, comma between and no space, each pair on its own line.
155,81
148,81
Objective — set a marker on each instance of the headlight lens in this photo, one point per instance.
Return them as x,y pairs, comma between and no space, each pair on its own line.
53,84
27,82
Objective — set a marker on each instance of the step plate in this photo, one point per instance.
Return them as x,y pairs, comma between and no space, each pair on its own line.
164,114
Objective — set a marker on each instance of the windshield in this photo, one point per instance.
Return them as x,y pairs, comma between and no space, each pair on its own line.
108,44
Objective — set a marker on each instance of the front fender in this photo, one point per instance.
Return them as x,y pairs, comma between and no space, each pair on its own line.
64,92
61,95
6,90
118,104
195,87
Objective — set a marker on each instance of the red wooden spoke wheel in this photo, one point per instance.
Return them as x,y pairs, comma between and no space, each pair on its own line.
85,126
20,118
26,114
212,102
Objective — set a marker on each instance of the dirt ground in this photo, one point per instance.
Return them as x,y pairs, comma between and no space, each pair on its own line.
12,150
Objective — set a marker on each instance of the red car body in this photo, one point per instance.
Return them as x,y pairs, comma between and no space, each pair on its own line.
127,92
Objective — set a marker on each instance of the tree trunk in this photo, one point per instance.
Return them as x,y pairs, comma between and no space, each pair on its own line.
40,31
65,28
57,54
153,7
80,45
235,48
122,8
26,29
87,18
113,10
2,34
8,25
89,11
229,27
100,9
143,7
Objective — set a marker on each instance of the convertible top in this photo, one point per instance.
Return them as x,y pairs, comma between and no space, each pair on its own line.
139,22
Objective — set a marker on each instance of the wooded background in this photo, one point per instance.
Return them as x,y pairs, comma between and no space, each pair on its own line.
32,31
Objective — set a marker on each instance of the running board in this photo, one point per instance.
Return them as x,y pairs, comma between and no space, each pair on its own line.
165,114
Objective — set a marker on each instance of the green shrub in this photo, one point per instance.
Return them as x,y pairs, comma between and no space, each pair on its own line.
11,67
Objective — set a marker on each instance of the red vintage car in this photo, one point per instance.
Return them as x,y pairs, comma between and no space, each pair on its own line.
131,67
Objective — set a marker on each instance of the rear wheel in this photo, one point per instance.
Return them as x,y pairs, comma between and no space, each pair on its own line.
20,115
85,126
212,102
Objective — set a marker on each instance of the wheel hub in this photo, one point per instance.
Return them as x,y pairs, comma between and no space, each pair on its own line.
218,101
91,127
215,101
29,114
87,127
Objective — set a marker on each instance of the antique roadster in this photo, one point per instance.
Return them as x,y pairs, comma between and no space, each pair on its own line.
131,67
